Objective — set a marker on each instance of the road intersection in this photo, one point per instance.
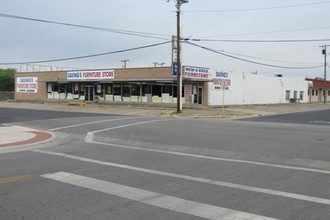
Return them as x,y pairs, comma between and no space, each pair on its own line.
136,167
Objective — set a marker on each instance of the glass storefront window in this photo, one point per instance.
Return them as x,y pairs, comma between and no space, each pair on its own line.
108,89
135,90
146,89
117,89
157,90
126,90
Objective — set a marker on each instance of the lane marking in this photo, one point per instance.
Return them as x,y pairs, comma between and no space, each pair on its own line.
320,122
154,199
90,123
14,179
90,135
212,157
196,179
90,139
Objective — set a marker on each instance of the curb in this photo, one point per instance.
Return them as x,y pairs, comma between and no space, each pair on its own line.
39,137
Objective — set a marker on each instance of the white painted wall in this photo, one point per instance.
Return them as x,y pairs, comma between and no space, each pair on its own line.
245,89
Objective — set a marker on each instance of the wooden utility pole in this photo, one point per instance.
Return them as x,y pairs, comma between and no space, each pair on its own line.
324,52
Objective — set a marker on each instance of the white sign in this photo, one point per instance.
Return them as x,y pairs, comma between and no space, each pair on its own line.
221,80
195,72
91,75
27,84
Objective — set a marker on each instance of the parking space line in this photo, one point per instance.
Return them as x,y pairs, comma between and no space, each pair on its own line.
154,199
196,179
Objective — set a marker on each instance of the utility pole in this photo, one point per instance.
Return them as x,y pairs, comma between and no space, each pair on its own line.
178,42
125,62
324,52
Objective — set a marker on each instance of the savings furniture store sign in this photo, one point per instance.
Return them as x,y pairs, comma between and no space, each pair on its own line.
91,75
27,84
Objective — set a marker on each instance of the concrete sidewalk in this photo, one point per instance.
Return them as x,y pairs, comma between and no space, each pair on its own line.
11,135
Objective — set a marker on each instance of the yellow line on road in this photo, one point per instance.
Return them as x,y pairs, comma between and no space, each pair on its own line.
14,179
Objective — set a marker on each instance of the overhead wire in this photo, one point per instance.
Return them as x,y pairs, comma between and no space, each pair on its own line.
118,31
87,56
262,41
249,61
262,8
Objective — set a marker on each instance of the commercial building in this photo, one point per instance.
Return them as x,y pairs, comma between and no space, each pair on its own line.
318,88
146,85
201,86
240,89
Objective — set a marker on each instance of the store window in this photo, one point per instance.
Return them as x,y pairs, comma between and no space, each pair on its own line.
301,95
135,90
287,95
157,90
117,89
167,89
108,92
295,94
146,89
108,89
126,90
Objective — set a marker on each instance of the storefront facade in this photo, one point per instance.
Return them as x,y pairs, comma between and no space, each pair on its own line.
145,85
319,90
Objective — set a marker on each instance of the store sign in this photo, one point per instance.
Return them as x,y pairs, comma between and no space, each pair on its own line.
221,80
91,75
27,84
195,72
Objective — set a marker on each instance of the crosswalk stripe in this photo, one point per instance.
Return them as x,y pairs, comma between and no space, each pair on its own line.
196,179
154,199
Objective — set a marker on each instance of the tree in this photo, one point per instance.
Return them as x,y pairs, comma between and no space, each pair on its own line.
7,79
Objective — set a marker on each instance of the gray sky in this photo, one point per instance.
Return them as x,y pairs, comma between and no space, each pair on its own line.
29,41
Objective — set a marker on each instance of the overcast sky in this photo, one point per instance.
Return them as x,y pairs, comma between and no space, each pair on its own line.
214,20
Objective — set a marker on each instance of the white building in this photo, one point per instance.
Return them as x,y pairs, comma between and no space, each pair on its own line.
240,88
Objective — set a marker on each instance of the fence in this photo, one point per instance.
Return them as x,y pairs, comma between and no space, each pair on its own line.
7,95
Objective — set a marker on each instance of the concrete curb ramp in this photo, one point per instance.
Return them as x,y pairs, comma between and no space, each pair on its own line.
11,136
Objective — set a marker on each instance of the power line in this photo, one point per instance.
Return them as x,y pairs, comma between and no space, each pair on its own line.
87,56
263,8
275,31
262,41
249,61
118,31
259,58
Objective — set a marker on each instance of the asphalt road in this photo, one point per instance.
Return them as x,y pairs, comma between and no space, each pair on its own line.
132,167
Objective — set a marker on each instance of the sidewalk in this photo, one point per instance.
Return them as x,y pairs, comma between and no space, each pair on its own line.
11,135
18,136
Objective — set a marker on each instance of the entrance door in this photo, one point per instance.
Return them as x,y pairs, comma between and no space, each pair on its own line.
89,93
200,95
197,94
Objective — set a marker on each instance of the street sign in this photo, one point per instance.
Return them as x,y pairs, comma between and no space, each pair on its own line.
174,69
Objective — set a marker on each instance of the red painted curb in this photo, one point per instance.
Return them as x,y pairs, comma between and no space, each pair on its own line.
40,136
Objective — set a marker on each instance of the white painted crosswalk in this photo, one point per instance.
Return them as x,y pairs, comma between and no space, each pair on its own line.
176,204
196,179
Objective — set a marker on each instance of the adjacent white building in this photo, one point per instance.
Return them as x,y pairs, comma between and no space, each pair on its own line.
244,89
